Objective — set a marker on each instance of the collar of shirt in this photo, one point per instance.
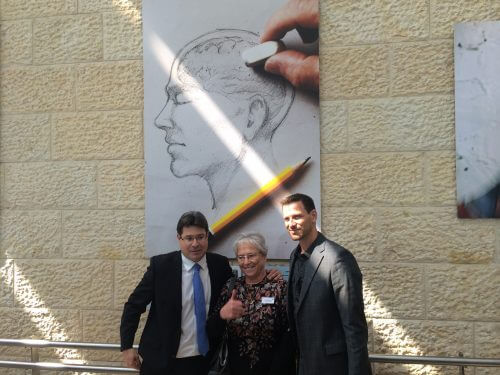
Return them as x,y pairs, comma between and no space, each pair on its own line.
307,254
188,263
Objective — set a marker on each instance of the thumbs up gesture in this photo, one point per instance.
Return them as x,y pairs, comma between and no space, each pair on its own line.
233,309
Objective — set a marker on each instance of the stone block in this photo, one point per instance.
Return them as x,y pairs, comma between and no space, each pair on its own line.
30,234
400,369
442,182
393,290
425,67
463,292
86,6
397,124
347,22
24,138
64,283
446,13
67,39
121,184
128,273
333,126
37,88
51,185
487,340
434,235
103,234
110,86
355,229
365,179
7,284
353,72
423,337
97,135
104,327
36,8
122,35
38,323
15,39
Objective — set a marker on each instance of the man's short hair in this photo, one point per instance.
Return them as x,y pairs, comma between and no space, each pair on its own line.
306,200
192,219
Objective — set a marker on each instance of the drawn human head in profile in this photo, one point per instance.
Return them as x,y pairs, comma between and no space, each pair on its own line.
218,109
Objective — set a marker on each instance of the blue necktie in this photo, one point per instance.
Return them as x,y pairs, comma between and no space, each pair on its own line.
200,311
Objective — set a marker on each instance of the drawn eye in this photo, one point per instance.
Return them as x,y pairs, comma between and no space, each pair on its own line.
181,99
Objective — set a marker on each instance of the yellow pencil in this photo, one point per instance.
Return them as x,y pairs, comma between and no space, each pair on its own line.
256,197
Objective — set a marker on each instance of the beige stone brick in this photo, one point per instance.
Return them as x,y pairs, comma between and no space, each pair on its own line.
446,13
30,234
487,340
122,35
442,183
425,67
37,88
121,184
7,284
108,86
24,138
463,292
353,72
333,126
51,185
103,327
372,179
103,234
15,39
434,235
399,369
35,8
355,229
397,124
97,135
64,284
85,6
128,273
423,337
347,22
38,323
393,290
67,39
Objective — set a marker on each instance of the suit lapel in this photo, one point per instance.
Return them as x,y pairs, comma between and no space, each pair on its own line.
212,275
310,270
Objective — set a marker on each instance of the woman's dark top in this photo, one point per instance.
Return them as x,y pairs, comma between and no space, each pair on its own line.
258,341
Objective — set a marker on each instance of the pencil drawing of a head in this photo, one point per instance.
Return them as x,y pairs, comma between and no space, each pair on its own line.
217,109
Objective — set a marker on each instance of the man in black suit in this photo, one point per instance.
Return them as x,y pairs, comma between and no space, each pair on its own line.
325,298
183,288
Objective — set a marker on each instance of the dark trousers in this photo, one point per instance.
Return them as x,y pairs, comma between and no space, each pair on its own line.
197,365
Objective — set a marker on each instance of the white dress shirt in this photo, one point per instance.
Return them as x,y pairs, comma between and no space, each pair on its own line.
188,345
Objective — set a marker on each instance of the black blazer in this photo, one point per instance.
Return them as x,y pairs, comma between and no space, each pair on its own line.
161,286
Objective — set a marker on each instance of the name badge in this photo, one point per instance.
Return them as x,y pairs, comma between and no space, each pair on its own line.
267,300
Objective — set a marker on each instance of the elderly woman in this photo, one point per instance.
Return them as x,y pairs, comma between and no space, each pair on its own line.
255,314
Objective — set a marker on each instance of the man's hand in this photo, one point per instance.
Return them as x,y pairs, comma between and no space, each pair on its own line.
298,68
233,309
131,358
274,275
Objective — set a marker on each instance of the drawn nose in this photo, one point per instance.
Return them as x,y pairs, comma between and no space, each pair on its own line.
164,118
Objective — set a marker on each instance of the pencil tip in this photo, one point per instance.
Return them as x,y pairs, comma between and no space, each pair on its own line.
307,159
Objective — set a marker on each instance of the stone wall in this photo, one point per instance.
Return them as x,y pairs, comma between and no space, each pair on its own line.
72,190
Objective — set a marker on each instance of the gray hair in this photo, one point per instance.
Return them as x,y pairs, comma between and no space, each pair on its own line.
254,239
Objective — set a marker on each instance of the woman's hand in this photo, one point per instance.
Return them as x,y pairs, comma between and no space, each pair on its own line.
233,309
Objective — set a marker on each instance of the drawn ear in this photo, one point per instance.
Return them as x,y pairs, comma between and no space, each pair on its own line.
257,116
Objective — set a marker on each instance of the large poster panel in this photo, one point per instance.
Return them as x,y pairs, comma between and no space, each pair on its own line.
477,119
217,131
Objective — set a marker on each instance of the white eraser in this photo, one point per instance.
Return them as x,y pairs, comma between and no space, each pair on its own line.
259,54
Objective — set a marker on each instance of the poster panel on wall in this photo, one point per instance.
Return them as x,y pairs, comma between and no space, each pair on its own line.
477,119
217,132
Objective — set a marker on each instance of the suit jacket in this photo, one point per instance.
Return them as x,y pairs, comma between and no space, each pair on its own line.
161,286
330,325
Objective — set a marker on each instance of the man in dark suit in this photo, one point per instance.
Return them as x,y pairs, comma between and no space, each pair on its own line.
325,299
183,288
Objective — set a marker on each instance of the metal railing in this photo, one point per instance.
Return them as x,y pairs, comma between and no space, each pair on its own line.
36,366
